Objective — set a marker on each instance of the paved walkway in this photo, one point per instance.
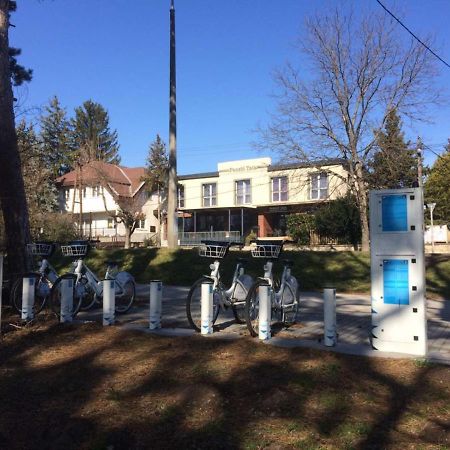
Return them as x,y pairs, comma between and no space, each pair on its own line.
353,323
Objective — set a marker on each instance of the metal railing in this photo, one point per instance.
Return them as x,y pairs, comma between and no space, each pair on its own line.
195,238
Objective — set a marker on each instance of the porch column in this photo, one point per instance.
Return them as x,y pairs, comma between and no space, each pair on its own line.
195,221
264,227
242,222
229,220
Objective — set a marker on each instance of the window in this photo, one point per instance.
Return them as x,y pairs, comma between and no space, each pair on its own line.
152,229
111,223
243,192
279,189
141,224
66,194
84,192
97,191
180,196
209,194
319,186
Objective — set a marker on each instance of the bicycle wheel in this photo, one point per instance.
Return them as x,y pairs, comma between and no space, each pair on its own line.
55,297
88,296
41,294
252,308
194,307
124,296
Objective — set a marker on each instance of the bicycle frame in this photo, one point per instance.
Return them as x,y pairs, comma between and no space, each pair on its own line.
268,277
46,269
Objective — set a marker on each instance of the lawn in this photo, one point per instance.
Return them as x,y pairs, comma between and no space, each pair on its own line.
88,387
347,271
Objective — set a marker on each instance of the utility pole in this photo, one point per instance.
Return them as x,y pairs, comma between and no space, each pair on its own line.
172,216
420,162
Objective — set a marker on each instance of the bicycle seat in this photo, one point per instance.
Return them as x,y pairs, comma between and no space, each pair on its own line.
288,262
111,263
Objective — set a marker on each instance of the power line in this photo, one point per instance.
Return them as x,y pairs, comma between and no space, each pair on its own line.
412,34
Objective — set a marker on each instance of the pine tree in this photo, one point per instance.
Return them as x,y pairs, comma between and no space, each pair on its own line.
394,164
437,186
92,136
56,134
157,166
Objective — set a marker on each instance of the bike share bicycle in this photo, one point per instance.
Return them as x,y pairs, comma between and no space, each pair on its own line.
45,276
88,289
284,300
233,297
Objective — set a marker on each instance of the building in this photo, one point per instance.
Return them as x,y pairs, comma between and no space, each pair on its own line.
253,195
97,193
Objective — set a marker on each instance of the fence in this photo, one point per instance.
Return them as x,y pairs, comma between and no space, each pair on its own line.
195,238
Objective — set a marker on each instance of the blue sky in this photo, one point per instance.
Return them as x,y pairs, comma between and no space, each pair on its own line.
116,52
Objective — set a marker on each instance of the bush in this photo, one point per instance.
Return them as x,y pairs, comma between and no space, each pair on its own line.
300,227
54,227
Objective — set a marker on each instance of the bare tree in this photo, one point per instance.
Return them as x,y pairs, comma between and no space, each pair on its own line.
12,192
362,68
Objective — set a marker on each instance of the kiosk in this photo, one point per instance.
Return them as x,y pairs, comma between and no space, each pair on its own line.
398,271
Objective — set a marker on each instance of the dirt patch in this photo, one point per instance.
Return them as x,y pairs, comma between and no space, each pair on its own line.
88,387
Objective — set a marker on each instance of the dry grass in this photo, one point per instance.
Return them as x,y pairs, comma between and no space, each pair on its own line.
87,387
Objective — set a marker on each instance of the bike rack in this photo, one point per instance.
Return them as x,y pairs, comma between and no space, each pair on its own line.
265,313
28,296
155,309
207,308
109,301
67,283
329,317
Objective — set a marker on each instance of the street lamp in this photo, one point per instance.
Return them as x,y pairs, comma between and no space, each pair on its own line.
431,207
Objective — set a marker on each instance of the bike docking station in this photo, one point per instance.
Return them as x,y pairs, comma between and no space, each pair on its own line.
265,313
28,296
67,290
155,305
206,327
109,302
398,271
329,317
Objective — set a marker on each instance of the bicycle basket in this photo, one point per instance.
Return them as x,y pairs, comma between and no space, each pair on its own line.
268,251
40,249
74,249
213,250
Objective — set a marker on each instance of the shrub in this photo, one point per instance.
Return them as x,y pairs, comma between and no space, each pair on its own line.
300,227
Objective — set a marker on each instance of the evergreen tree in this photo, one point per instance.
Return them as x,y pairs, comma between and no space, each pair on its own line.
92,136
157,166
394,164
56,139
437,186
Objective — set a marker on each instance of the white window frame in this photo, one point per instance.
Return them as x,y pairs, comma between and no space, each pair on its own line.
209,194
180,196
277,190
319,191
97,190
245,198
141,224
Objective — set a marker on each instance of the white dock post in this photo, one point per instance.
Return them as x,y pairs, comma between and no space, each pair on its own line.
329,317
207,308
67,299
28,297
109,302
155,310
265,312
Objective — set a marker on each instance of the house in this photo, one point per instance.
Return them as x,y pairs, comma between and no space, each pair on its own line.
97,192
253,195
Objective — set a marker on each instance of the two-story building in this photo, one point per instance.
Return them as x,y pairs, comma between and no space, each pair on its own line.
254,195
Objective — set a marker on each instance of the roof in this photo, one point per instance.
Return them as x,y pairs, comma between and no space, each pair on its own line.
299,165
198,175
124,181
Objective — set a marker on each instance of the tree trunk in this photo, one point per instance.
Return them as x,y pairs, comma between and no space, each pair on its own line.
128,234
12,191
363,208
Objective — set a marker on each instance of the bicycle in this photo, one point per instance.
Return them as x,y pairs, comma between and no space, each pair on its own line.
233,297
45,276
284,298
87,288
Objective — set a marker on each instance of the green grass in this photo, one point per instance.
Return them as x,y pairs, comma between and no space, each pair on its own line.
346,271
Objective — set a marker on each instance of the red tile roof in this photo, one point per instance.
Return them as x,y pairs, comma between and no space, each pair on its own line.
124,181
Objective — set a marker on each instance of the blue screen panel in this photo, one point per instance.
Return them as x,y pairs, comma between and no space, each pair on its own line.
394,213
395,282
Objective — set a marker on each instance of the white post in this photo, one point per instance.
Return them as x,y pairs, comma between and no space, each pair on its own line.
329,316
109,301
265,312
207,308
155,304
1,290
66,300
28,298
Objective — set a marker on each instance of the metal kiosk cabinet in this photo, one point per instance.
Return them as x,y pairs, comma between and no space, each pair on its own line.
398,271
